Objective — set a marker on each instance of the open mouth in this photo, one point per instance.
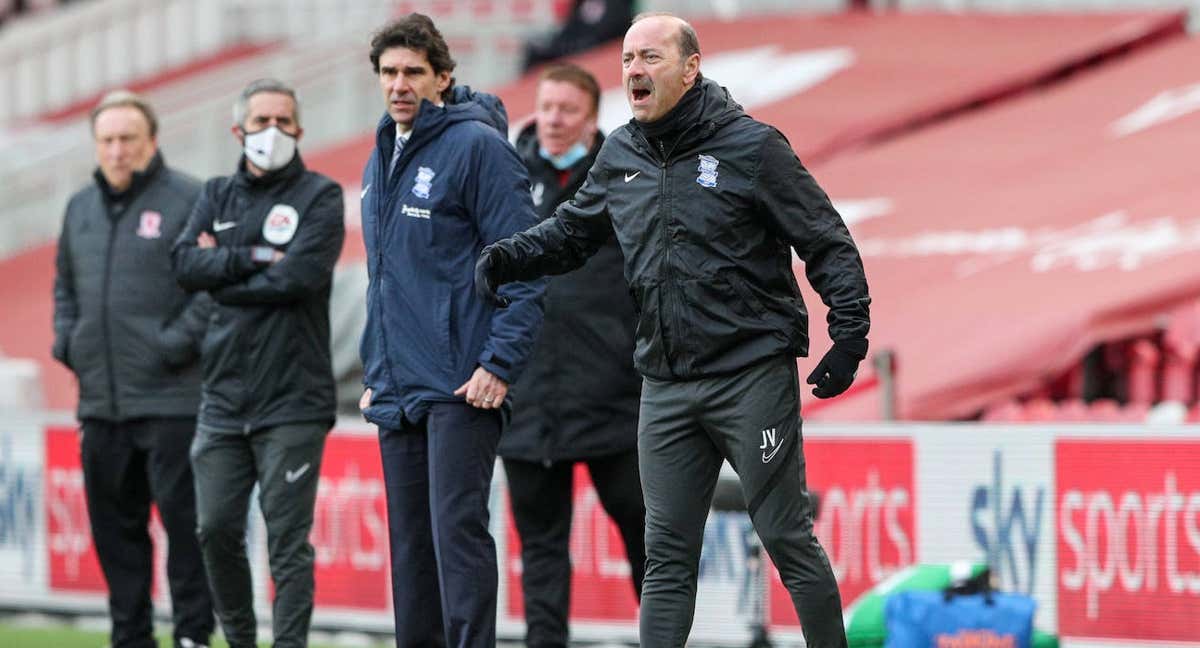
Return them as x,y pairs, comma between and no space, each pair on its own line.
640,94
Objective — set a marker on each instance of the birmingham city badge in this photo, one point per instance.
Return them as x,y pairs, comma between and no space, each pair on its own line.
424,180
708,171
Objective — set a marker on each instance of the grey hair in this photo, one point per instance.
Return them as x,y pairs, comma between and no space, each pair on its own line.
689,42
125,98
242,105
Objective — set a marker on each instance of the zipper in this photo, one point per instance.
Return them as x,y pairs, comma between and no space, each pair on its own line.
384,197
672,305
105,320
242,207
667,288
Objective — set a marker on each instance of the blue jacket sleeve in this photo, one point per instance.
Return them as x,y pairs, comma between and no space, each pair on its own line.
501,206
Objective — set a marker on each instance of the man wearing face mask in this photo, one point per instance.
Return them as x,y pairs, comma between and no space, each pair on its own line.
578,399
709,205
263,243
132,337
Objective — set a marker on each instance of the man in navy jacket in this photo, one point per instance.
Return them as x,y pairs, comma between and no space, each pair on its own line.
442,183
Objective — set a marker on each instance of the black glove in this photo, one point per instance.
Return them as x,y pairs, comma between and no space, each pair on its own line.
835,372
489,277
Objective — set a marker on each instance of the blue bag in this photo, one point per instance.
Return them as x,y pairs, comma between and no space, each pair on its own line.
936,620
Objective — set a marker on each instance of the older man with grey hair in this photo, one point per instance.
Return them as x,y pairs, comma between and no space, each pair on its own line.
132,336
262,243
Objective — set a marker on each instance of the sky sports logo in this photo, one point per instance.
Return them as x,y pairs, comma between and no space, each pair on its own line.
1129,539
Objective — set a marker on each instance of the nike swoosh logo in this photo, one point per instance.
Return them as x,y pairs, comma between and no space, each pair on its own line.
292,475
364,192
768,457
629,176
218,226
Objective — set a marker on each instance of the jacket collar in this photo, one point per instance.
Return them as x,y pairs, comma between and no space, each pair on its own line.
141,179
527,148
461,104
244,178
703,110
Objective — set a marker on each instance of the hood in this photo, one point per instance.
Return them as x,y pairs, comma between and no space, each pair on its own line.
696,116
463,104
719,107
496,115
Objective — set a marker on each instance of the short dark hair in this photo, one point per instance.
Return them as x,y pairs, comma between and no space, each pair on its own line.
127,99
418,33
689,42
576,76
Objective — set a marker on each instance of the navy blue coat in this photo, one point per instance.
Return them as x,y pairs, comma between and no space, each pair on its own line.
457,187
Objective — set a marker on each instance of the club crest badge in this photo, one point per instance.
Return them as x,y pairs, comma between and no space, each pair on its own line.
538,192
708,171
280,224
424,180
150,225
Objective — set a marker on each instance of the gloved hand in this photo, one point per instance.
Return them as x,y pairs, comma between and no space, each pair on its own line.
489,276
835,372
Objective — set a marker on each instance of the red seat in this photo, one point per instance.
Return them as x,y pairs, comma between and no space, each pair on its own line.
1181,344
1074,411
1106,410
1135,412
1142,374
1009,411
1040,410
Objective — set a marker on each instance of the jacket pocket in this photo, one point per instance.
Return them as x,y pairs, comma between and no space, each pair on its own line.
69,347
746,294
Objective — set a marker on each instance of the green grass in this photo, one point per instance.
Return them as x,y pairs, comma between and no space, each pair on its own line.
64,636
58,636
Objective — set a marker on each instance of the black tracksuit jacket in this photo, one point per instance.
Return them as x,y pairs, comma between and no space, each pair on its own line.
578,397
707,205
121,322
266,355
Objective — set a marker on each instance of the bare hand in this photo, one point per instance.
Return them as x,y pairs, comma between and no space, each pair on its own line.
206,241
484,390
365,401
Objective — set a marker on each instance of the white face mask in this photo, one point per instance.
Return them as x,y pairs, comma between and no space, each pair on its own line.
270,148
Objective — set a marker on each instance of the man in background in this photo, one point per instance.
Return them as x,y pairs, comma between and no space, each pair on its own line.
442,181
263,243
132,336
578,399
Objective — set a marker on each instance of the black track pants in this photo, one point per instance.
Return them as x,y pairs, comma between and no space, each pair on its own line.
686,430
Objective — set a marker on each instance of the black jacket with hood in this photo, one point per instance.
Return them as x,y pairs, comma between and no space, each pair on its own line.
266,355
707,204
121,322
579,396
